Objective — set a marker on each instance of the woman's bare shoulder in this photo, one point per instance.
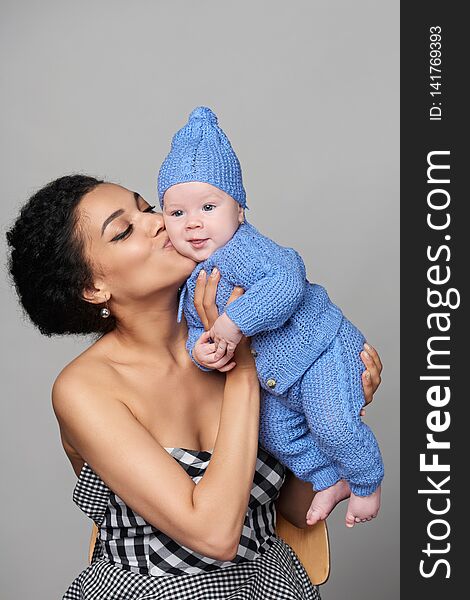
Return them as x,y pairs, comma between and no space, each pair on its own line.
90,377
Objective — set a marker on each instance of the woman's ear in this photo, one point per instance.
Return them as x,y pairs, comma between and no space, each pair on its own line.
95,295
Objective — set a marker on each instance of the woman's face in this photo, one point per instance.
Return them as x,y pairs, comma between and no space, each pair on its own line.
128,247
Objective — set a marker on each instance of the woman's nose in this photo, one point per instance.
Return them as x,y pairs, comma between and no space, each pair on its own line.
157,224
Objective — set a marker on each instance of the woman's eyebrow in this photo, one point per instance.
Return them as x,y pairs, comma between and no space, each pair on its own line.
111,217
118,213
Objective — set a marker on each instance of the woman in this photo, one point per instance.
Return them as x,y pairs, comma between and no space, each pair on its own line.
139,422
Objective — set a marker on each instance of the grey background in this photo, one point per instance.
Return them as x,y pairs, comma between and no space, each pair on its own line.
308,93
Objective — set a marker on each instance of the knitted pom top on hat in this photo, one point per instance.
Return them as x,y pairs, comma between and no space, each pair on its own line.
200,151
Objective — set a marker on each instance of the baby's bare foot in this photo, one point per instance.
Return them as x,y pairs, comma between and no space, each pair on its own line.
362,508
325,501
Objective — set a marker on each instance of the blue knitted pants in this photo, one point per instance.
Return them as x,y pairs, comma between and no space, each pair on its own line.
315,428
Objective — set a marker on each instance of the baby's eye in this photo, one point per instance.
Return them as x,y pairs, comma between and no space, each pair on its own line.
208,207
176,213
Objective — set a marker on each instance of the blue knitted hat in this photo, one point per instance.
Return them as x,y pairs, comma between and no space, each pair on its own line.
200,151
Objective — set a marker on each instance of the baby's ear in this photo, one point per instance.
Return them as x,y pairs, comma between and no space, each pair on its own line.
241,214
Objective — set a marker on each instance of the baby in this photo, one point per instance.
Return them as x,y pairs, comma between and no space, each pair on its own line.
307,353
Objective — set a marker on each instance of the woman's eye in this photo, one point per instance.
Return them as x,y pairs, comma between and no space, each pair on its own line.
149,209
208,207
124,234
177,213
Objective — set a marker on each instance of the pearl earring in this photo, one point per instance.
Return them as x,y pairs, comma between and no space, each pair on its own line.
105,312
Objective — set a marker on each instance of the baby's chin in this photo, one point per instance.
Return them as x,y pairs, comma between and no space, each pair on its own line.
196,255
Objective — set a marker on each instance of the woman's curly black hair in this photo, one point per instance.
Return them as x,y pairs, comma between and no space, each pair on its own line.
47,260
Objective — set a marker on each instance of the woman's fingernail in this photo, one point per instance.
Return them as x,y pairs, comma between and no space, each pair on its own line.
366,354
202,274
367,375
214,272
367,347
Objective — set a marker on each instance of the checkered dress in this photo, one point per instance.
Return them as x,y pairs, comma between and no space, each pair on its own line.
132,560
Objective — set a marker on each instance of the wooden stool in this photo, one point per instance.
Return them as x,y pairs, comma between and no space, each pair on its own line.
310,545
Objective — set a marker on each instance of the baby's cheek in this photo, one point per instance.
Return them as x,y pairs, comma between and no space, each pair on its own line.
183,247
187,250
173,234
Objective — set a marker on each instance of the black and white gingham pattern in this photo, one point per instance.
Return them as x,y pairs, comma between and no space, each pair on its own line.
91,494
128,540
275,575
133,560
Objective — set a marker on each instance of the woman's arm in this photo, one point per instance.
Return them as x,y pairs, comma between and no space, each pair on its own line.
296,495
208,517
236,449
228,479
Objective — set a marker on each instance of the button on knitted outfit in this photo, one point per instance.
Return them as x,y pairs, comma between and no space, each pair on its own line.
307,353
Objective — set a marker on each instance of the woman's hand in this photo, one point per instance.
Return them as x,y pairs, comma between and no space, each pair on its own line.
371,377
204,301
204,297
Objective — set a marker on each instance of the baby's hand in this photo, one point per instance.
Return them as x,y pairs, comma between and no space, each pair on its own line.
226,336
204,354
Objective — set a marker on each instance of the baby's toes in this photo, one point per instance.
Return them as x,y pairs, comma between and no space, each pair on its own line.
350,520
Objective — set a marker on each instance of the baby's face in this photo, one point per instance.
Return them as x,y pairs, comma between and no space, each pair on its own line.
199,218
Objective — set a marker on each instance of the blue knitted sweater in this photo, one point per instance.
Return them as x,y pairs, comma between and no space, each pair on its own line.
290,320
